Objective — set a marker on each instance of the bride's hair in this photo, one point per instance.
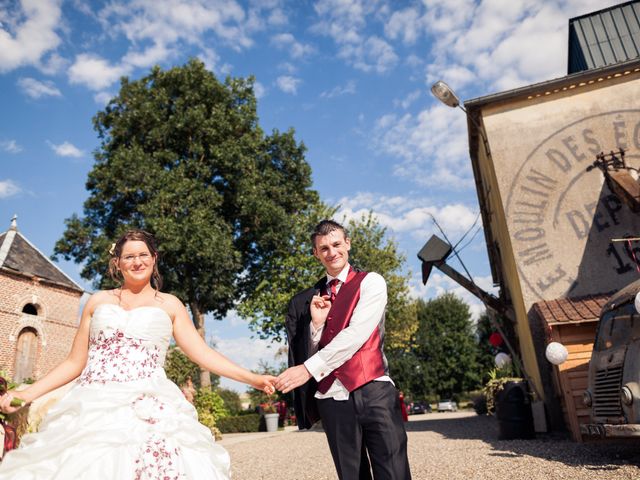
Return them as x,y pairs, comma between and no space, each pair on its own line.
116,251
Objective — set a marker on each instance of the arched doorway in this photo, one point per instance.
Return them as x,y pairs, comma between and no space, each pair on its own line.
26,354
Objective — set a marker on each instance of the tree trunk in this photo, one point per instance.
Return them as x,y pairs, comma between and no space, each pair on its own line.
198,322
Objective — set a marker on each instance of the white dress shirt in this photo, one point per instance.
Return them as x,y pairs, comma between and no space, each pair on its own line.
366,317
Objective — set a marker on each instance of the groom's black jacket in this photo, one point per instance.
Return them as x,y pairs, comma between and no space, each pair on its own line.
298,332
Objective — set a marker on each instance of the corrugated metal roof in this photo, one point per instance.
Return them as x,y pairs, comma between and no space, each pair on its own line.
605,37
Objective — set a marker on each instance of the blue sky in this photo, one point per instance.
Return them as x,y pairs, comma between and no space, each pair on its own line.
352,78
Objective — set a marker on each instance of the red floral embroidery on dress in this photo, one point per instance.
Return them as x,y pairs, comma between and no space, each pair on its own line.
114,357
157,461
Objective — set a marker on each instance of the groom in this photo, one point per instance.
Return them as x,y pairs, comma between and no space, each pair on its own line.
336,332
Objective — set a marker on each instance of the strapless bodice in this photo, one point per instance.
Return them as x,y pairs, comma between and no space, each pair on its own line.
126,345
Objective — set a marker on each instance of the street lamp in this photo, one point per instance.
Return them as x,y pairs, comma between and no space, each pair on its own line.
446,95
443,92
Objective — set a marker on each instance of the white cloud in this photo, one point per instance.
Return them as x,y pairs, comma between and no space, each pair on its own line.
409,99
66,149
53,64
8,188
287,67
497,45
28,32
10,146
345,22
152,55
296,49
103,98
168,21
210,58
288,84
95,72
158,30
37,89
348,89
404,214
406,24
430,148
259,90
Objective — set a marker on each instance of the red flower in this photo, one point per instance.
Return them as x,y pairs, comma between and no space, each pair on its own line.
495,339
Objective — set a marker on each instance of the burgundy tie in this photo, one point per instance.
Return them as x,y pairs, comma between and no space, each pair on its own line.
332,289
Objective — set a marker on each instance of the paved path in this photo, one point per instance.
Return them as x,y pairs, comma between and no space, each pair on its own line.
442,446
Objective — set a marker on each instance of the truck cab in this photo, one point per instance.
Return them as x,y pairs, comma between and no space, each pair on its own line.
613,392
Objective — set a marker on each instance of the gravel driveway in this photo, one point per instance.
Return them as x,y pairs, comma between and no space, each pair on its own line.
446,446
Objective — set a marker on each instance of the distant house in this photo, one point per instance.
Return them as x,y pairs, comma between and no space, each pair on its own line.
39,308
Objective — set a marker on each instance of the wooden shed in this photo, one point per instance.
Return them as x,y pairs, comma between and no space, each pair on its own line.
572,322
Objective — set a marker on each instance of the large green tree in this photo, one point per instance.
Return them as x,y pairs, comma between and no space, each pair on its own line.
371,250
182,155
447,346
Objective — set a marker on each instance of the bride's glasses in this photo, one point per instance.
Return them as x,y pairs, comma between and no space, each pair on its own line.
143,257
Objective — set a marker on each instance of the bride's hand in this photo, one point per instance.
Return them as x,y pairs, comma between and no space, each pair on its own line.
265,383
10,403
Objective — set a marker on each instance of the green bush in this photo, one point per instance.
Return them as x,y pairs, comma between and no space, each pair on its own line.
210,408
241,423
231,400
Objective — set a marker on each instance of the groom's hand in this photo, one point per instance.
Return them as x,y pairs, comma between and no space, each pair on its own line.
320,306
292,378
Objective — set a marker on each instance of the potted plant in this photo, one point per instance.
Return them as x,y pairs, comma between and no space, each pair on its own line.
271,416
509,397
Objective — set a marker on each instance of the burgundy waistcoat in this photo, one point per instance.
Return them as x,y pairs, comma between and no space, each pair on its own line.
367,363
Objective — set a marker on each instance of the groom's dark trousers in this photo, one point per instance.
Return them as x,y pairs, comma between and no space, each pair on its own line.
370,418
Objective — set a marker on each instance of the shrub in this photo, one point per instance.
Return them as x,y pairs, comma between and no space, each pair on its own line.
210,408
231,399
240,424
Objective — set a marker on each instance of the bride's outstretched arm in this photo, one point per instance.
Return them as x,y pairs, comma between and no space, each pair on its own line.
64,372
194,347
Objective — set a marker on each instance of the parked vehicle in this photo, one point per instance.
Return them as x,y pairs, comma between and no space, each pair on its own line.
447,406
613,391
418,408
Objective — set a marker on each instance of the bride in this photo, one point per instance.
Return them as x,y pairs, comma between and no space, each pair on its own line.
123,419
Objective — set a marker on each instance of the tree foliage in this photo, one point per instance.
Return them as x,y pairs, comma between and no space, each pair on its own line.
231,399
447,346
182,155
371,250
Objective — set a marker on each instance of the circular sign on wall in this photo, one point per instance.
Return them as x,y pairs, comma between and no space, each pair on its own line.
562,219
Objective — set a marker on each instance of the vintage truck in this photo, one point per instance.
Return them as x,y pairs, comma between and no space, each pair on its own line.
613,393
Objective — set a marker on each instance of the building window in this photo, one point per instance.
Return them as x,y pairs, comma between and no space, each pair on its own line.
26,353
30,308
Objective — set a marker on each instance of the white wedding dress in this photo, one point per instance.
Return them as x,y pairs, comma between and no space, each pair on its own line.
123,419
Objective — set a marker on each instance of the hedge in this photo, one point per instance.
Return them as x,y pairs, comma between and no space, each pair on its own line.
240,423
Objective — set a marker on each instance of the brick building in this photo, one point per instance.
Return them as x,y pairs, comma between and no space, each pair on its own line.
39,308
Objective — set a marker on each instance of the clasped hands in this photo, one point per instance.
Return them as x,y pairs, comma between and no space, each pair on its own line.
293,377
